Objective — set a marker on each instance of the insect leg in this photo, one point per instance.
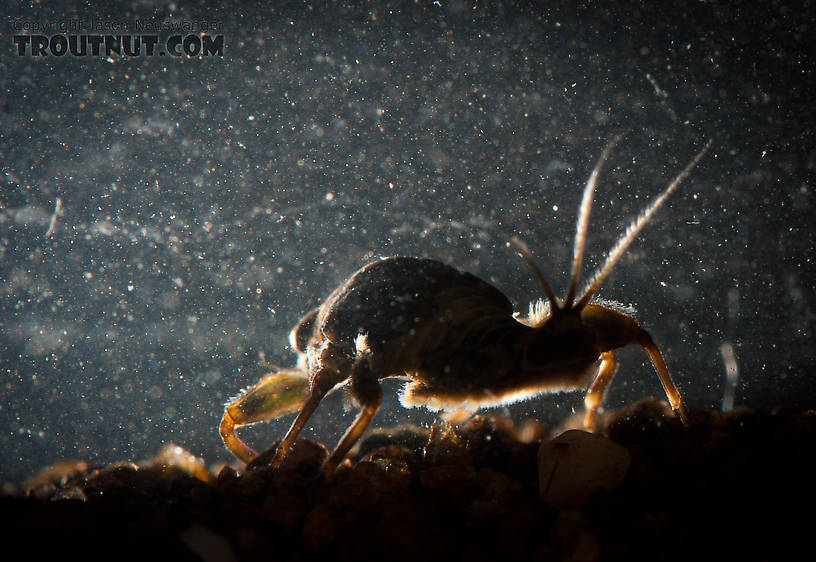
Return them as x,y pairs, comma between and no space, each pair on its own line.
367,391
594,396
674,396
324,380
236,446
275,395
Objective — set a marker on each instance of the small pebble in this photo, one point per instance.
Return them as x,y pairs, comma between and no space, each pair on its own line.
576,464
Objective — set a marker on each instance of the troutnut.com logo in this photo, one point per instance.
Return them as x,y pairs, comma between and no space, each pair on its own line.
97,38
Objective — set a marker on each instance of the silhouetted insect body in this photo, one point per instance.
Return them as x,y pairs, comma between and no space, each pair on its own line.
455,338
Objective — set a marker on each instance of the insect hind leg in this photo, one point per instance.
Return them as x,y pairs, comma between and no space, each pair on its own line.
674,396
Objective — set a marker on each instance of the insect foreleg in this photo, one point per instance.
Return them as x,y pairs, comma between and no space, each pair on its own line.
275,395
324,381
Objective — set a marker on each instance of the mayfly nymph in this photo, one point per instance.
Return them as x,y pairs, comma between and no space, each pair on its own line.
455,338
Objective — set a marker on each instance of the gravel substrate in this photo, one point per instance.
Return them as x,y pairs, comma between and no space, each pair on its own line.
736,485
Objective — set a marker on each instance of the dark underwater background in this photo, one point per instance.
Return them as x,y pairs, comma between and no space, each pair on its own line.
206,203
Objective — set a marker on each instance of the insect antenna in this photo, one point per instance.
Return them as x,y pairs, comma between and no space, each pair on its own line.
583,222
634,229
528,256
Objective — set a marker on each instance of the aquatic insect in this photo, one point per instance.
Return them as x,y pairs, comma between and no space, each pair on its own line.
455,338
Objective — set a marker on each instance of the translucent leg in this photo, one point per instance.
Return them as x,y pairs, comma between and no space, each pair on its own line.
323,382
674,396
241,450
367,391
594,396
275,395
